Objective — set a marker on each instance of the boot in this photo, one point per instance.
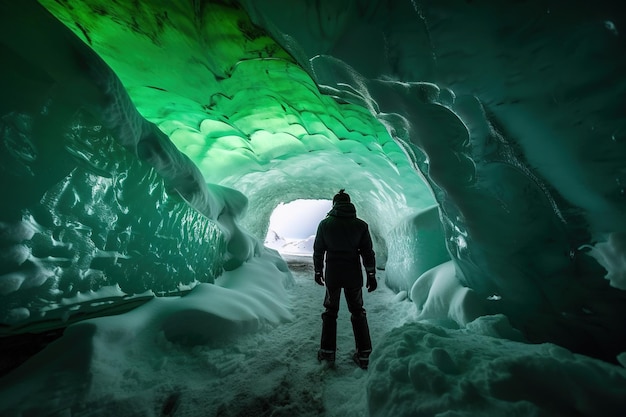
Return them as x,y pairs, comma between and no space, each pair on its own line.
326,355
362,359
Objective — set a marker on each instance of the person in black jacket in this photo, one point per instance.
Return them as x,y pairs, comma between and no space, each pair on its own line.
344,240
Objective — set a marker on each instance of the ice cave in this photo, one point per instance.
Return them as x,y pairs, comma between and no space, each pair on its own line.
146,144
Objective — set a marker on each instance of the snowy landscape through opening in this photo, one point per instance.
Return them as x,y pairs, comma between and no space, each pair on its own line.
293,225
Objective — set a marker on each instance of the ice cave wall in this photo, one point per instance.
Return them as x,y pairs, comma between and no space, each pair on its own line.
99,207
250,118
106,211
511,112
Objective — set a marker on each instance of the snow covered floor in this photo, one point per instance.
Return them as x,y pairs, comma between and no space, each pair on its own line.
267,371
177,357
274,372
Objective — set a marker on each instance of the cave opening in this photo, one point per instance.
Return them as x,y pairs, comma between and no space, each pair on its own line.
292,226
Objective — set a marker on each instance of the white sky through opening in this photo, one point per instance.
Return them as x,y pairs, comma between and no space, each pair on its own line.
293,225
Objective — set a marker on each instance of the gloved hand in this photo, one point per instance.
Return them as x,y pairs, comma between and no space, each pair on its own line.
319,278
371,282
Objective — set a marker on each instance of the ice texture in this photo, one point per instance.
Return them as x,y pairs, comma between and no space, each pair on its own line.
222,353
144,146
485,371
97,196
509,112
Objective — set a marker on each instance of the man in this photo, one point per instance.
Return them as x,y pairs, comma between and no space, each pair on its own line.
343,239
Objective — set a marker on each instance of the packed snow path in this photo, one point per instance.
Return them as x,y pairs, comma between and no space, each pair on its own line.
275,372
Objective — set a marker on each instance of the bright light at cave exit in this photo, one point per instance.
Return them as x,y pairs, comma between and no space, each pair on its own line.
293,225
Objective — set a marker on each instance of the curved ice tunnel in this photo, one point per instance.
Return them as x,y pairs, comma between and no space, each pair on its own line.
519,152
525,164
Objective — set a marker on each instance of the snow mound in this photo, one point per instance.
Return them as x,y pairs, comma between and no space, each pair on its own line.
424,370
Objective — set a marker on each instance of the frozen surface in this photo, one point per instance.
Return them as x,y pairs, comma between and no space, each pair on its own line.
144,146
429,371
508,111
172,357
524,161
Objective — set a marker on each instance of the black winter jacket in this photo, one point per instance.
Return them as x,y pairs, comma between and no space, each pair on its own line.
345,240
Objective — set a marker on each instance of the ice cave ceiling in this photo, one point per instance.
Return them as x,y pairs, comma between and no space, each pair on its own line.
509,116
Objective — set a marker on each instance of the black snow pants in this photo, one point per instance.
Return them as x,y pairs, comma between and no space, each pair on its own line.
354,299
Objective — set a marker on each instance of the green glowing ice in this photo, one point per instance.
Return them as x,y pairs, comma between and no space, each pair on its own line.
226,93
105,209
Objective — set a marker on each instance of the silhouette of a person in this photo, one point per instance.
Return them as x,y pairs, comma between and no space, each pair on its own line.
342,241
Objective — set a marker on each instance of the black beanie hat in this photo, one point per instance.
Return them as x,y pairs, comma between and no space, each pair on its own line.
341,197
